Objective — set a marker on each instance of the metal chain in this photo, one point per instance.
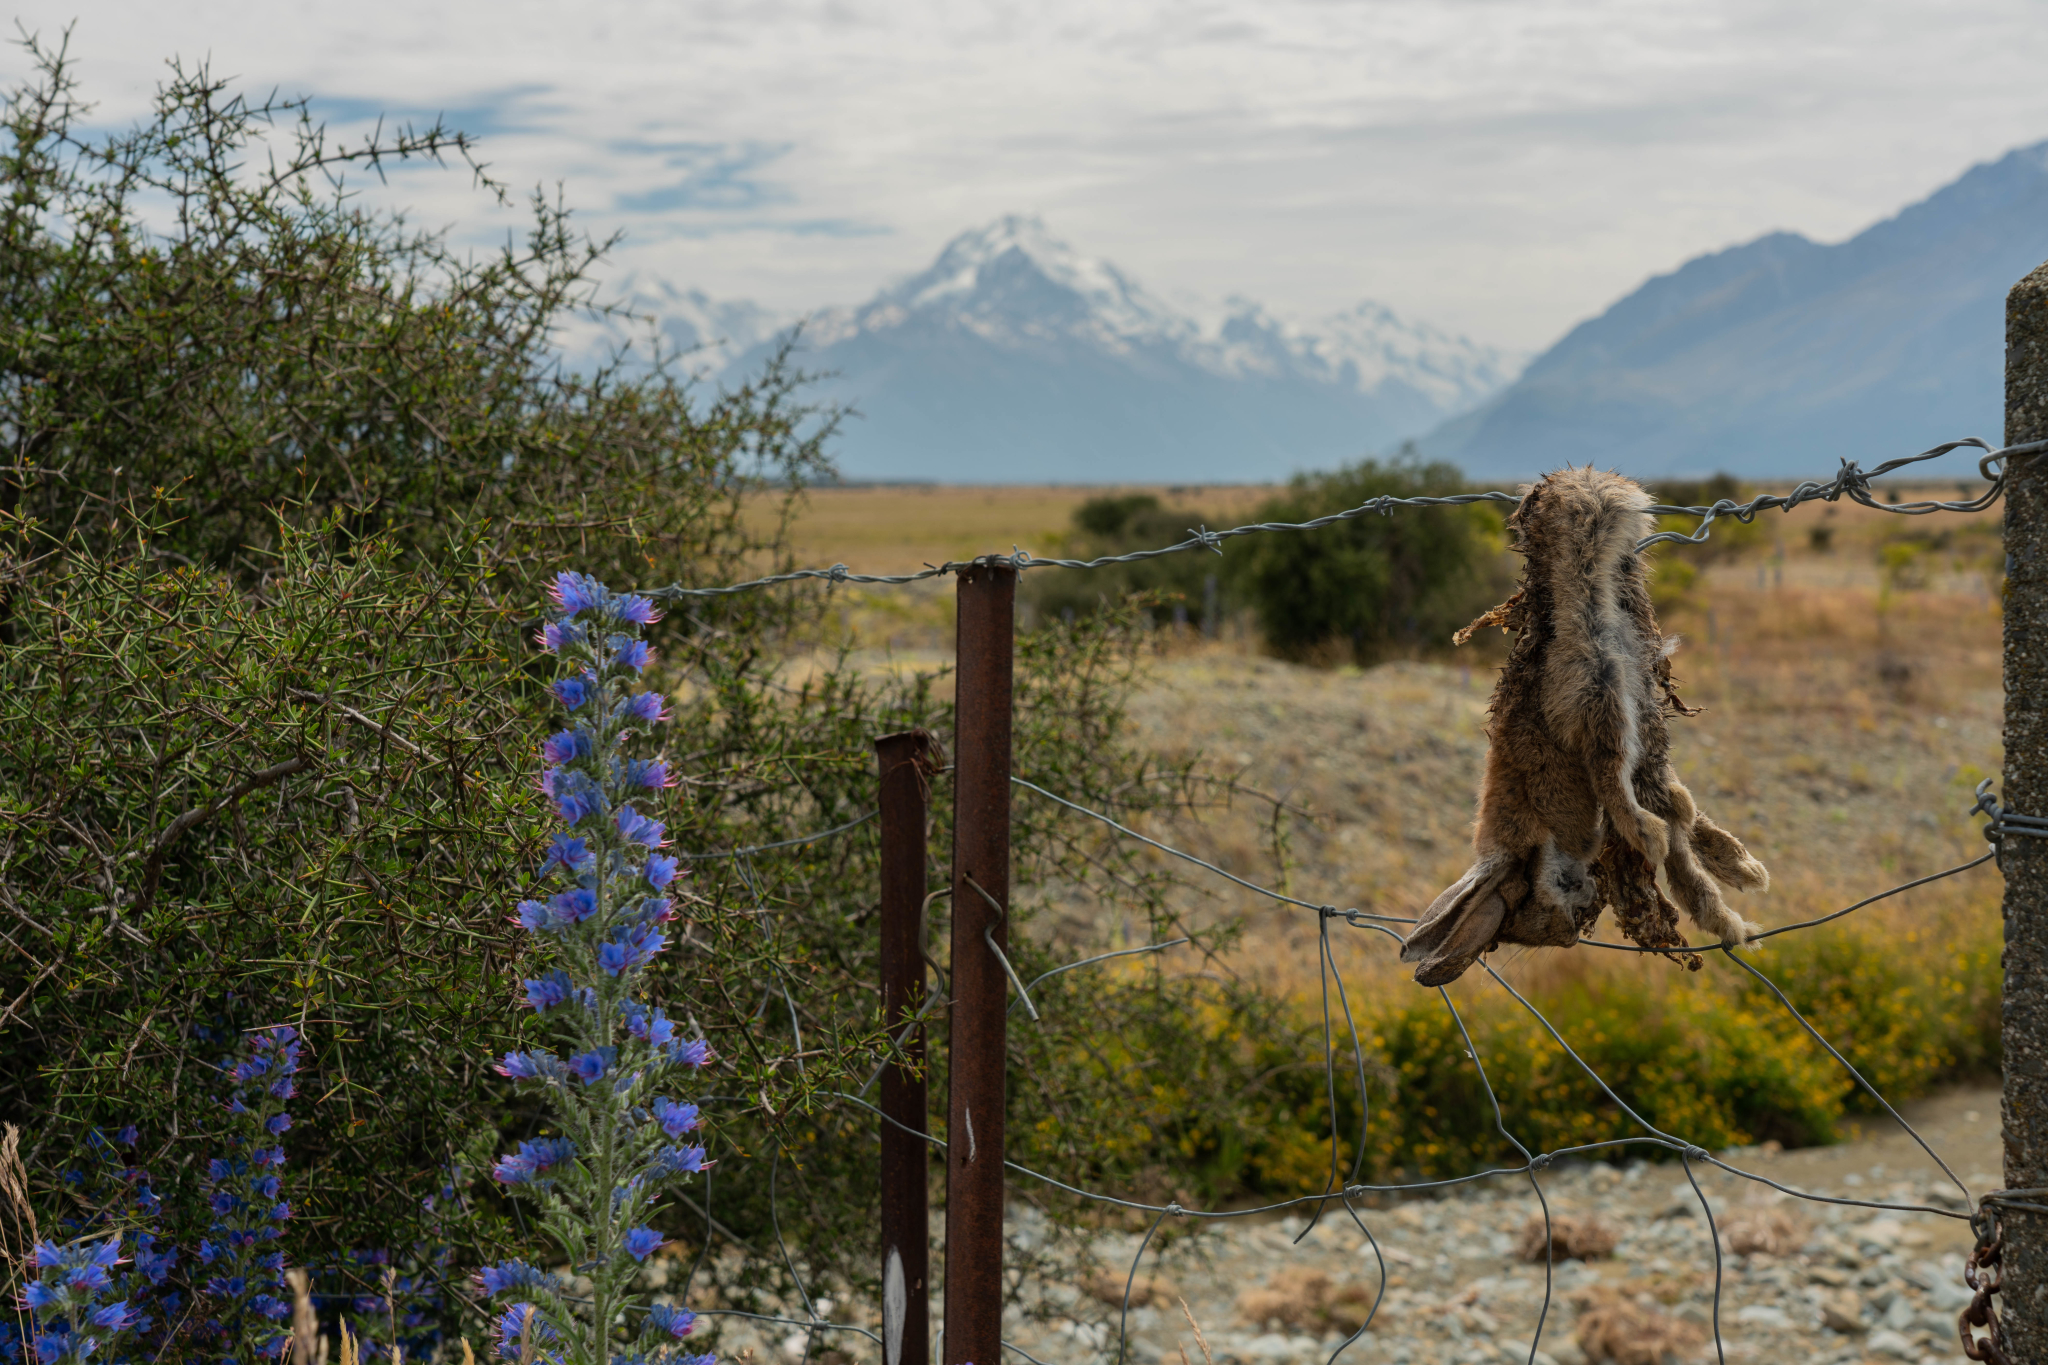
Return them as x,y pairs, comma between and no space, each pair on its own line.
1985,1274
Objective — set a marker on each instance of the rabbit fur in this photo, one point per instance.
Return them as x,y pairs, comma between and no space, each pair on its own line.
1579,804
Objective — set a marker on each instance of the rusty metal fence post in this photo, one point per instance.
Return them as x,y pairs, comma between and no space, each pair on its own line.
980,993
2024,1298
906,762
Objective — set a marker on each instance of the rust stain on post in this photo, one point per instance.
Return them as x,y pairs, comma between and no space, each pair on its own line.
981,850
906,763
2024,1300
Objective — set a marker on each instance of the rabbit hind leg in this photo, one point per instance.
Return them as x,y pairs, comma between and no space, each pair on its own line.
1724,857
1700,898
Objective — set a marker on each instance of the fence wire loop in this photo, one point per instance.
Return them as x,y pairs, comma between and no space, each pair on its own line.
2005,823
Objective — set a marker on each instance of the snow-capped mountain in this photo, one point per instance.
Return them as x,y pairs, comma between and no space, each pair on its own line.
706,334
1777,358
1014,358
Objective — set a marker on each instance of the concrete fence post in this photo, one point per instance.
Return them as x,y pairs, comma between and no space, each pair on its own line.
2023,1301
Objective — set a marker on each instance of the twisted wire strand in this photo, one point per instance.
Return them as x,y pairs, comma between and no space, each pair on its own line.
1851,481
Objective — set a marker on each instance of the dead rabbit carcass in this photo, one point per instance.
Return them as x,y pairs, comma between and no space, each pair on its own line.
1579,806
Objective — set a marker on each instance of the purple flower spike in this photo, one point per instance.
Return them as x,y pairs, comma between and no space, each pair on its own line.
277,1123
638,829
590,1067
571,692
642,1243
574,592
695,1053
532,916
645,707
660,870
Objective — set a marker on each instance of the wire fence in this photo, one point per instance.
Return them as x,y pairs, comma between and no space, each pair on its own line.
1345,1190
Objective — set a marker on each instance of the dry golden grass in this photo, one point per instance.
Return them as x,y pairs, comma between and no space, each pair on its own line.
898,528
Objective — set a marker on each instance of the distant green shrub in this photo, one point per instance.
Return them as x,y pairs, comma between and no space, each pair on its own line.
1378,584
1727,537
1115,524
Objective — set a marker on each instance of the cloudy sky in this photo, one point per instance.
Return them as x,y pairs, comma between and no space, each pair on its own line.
1500,167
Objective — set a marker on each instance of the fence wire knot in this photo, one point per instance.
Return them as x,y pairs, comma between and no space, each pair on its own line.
1176,1210
1208,539
2004,822
1541,1161
1851,480
837,573
1984,1274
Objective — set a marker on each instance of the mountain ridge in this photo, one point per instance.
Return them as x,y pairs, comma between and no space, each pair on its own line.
1778,357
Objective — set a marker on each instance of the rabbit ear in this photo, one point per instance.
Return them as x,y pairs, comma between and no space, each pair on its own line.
1459,925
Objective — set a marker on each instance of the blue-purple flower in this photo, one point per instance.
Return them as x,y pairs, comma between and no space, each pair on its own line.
676,1119
645,707
660,870
633,947
641,1243
567,856
549,991
566,747
590,1067
666,1321
636,828
533,1159
633,608
514,1275
556,636
576,592
628,652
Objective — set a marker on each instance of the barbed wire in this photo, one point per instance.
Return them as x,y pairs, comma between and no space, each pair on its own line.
1348,1192
1345,1192
1850,482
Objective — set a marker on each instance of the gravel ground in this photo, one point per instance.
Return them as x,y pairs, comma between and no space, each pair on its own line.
1853,1284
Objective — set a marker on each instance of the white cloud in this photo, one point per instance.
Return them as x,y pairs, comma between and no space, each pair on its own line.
1498,167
